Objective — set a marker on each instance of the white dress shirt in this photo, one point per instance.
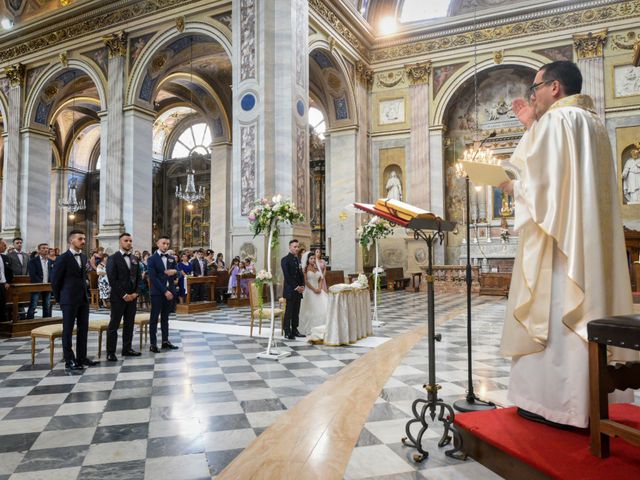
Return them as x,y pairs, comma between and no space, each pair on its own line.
78,259
3,279
45,270
127,258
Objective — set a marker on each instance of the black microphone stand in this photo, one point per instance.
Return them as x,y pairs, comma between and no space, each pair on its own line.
471,403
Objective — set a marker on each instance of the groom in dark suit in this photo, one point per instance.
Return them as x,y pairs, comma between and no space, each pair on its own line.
293,289
69,286
162,271
123,272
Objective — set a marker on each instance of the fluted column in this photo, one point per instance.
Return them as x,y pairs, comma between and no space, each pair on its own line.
417,173
10,220
589,48
112,149
220,224
437,182
59,224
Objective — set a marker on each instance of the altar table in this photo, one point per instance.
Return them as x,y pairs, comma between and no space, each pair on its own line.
348,316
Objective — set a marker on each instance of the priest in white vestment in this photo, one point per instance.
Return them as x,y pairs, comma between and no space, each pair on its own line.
571,266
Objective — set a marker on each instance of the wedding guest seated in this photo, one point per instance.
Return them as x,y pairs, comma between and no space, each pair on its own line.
220,266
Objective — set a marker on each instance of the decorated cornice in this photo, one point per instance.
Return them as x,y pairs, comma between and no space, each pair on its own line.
561,18
337,24
418,73
116,44
590,45
15,74
89,22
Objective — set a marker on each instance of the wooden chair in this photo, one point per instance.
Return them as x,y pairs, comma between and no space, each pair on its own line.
102,325
621,331
50,332
266,310
396,279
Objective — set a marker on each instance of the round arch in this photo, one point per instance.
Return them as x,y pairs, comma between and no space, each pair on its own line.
340,65
452,86
160,41
96,77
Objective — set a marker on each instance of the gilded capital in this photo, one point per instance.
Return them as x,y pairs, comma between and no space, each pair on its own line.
418,73
364,73
590,45
116,43
15,74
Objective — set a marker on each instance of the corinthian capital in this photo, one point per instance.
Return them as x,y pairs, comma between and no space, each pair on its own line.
590,45
418,73
15,74
364,72
116,43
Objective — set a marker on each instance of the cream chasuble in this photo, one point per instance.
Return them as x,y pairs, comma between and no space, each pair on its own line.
571,265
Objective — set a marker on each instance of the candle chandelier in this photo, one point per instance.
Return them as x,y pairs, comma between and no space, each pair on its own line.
190,194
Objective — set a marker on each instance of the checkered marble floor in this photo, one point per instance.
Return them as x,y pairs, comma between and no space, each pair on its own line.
186,414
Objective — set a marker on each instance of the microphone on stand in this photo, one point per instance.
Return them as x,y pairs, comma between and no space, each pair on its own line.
491,135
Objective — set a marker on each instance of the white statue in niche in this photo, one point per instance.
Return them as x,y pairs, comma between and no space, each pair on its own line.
631,178
394,186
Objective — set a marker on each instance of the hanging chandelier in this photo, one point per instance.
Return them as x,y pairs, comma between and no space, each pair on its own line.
71,203
190,194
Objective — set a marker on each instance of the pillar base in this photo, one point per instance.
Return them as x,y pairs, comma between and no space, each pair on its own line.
10,233
109,237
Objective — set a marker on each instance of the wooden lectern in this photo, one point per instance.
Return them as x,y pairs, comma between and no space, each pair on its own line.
203,306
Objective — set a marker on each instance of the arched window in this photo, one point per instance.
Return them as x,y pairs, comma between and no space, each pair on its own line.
317,122
419,10
195,139
98,162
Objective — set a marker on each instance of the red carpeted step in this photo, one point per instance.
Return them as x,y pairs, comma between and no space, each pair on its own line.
557,453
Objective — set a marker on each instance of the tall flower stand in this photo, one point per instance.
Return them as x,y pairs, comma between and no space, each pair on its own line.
375,322
272,352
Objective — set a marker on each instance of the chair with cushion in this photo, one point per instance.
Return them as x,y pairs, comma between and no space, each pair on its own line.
142,321
266,310
99,326
50,332
624,332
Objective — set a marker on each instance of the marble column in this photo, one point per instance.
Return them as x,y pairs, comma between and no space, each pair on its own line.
589,48
112,148
10,188
437,182
35,188
59,224
137,176
417,174
220,225
341,170
364,80
270,103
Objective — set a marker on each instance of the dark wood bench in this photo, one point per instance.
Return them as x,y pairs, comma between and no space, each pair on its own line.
396,280
334,277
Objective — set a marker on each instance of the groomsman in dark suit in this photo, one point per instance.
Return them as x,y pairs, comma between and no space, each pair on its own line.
19,259
123,272
162,272
293,289
199,265
6,276
69,285
40,272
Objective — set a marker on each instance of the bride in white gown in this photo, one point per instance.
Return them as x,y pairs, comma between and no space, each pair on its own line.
313,309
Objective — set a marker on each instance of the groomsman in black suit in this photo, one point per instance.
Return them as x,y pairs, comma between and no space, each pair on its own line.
69,285
40,272
293,289
123,272
6,276
199,265
162,271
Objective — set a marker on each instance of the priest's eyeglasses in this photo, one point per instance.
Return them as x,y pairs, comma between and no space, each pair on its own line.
531,91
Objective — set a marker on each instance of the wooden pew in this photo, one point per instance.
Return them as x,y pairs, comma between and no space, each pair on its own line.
396,279
333,277
21,293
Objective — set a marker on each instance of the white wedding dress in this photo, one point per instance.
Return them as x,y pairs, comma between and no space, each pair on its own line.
313,308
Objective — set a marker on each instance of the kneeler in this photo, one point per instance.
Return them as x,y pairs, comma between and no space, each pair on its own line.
624,332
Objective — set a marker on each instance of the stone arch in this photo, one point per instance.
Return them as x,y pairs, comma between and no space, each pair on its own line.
96,77
334,69
139,68
453,84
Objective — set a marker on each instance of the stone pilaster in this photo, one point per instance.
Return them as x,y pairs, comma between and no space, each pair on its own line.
59,223
10,189
589,48
220,225
437,181
270,104
417,173
112,149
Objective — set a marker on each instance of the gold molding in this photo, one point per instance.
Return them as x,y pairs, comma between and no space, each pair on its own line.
605,13
498,56
590,45
180,24
418,73
15,74
116,43
80,27
338,25
364,73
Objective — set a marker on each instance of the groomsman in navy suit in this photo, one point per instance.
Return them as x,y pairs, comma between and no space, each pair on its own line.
69,285
40,272
162,272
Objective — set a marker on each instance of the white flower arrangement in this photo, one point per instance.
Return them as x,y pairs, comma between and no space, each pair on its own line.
264,277
378,271
265,215
373,230
362,280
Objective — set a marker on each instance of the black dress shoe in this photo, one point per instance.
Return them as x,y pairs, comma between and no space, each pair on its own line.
169,346
154,349
299,335
290,337
87,363
73,366
130,353
111,357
